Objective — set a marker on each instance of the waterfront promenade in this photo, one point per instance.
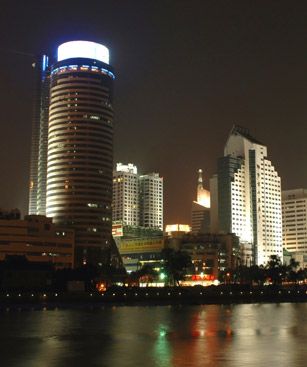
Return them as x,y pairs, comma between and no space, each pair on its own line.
160,296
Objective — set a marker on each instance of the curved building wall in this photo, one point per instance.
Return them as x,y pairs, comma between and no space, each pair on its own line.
80,154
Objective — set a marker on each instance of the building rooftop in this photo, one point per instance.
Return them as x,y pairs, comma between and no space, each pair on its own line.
243,131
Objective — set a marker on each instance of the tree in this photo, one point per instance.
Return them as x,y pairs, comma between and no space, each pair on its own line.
146,273
175,264
275,270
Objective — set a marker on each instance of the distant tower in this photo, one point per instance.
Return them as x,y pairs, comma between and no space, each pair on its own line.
201,208
38,162
80,147
203,195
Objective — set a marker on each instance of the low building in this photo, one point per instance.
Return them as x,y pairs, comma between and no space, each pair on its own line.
38,239
138,246
211,255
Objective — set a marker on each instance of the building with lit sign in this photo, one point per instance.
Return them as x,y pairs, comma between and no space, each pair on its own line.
138,245
248,196
71,181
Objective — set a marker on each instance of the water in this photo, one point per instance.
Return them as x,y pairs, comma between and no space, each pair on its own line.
159,336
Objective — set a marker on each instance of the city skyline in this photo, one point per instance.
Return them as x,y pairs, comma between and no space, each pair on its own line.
181,85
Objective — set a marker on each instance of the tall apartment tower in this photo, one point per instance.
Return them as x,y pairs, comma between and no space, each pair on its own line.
80,146
39,143
294,220
126,194
249,196
151,201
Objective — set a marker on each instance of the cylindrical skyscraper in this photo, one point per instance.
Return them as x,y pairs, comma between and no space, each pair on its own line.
80,146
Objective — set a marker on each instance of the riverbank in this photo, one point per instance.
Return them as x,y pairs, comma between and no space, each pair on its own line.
160,296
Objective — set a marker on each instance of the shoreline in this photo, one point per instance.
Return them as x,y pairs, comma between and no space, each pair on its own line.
155,297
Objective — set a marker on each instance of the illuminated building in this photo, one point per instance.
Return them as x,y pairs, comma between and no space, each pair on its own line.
201,208
137,199
38,239
39,143
249,196
170,229
151,201
294,222
138,245
80,146
125,206
211,255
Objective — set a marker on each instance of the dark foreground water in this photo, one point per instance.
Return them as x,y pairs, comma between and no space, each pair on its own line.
213,335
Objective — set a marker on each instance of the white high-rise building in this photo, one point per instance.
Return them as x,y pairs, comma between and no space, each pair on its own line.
137,200
294,216
151,201
126,194
249,196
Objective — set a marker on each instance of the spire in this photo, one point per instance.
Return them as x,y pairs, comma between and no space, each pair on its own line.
200,179
203,195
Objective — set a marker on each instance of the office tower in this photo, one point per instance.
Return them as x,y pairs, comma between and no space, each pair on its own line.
151,201
39,143
80,147
201,208
125,207
294,220
249,196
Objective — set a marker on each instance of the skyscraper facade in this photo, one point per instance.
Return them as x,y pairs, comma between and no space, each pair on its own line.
294,220
80,146
151,201
125,207
39,143
249,196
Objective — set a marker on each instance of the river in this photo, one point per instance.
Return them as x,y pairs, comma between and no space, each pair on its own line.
156,336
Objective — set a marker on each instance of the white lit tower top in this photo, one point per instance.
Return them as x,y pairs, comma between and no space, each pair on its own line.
203,195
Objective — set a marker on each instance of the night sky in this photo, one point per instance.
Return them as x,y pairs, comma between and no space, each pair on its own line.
186,71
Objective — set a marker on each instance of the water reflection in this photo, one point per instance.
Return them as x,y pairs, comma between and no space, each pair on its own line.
182,336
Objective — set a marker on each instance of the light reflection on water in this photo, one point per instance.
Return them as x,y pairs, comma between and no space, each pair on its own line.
164,336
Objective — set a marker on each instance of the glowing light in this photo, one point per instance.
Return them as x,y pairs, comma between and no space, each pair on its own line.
101,287
177,228
83,49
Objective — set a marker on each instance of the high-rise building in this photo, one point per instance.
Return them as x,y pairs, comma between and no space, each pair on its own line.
201,208
151,201
249,196
125,207
80,146
294,220
39,143
137,199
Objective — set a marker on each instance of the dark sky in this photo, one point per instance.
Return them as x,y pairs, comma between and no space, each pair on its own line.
186,71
